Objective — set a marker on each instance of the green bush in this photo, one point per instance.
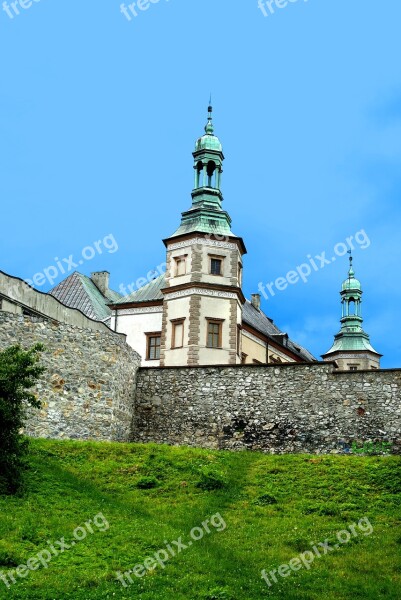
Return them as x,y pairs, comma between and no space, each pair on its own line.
19,371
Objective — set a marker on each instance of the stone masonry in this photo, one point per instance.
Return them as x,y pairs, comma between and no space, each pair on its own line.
87,390
93,389
270,408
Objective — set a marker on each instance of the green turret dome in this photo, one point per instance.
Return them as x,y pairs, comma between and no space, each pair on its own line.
351,283
209,141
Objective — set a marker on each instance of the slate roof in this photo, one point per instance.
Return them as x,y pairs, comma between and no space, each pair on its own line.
148,293
79,291
261,322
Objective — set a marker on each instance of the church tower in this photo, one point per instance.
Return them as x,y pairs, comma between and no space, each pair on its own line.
202,297
352,349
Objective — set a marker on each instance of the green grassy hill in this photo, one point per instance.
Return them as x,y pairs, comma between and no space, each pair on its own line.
251,511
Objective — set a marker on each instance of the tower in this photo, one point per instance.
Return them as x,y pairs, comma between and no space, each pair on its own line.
202,297
352,349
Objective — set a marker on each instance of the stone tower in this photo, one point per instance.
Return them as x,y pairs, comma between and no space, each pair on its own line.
202,306
352,349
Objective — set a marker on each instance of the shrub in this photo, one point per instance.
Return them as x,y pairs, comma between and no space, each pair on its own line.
19,371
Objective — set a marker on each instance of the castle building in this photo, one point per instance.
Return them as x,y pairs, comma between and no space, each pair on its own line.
352,349
196,313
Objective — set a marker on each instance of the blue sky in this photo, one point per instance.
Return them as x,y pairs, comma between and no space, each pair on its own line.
99,115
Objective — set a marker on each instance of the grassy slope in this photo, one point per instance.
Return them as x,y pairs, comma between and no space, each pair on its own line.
70,482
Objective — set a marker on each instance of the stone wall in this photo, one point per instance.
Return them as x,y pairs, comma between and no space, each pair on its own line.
93,388
88,387
286,408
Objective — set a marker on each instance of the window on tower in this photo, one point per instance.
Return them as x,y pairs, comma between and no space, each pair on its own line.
214,333
239,336
211,174
180,265
177,334
240,274
199,175
216,265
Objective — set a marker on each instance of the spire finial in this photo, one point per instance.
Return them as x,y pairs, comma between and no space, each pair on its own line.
351,271
209,127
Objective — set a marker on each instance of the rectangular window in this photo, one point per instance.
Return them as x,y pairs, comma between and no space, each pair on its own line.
177,337
353,368
180,265
216,266
153,346
239,275
214,329
239,340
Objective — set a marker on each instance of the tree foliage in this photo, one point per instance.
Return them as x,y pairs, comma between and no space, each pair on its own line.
19,371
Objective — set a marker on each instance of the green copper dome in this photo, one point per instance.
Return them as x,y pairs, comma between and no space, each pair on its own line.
351,283
209,141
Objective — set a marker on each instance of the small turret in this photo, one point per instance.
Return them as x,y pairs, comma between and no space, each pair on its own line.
352,349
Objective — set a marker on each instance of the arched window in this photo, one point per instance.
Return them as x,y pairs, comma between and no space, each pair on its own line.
199,175
211,174
351,306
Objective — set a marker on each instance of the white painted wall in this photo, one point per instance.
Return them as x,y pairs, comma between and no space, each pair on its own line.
135,326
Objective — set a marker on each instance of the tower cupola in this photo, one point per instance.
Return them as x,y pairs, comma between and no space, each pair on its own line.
352,349
206,214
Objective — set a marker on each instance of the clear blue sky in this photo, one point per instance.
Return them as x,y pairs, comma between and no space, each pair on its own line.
99,116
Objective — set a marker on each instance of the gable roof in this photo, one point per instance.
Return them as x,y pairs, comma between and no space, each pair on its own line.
79,291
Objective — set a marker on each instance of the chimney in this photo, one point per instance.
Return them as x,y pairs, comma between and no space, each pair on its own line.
101,281
255,301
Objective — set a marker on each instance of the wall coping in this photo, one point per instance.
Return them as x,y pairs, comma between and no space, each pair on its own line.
273,366
256,366
54,303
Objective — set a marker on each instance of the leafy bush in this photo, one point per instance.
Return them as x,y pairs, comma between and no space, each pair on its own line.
19,371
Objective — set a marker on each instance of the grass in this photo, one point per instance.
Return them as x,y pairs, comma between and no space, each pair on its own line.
274,507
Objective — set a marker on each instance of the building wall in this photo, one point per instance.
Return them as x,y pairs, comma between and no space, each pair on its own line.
253,348
198,303
135,323
286,408
362,360
87,390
